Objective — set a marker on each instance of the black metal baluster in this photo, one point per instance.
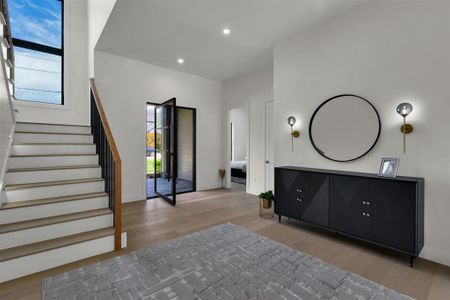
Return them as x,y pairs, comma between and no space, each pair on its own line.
103,149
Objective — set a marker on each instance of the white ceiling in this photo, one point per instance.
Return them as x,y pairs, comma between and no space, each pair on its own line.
160,31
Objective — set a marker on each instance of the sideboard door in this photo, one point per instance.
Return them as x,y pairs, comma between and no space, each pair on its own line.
348,205
392,221
286,185
303,196
313,194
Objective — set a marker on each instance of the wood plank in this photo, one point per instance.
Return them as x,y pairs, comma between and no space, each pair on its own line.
20,204
52,133
38,247
154,221
13,187
52,168
53,220
53,124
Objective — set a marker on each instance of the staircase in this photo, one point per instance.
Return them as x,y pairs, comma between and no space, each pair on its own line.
55,209
60,197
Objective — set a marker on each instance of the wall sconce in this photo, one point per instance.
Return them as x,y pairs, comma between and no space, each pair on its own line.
404,109
294,133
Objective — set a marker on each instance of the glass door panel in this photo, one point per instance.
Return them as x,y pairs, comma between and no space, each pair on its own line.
165,151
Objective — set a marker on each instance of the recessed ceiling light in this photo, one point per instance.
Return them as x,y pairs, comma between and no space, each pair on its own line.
226,31
180,61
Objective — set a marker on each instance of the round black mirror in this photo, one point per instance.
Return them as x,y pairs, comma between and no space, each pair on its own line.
345,128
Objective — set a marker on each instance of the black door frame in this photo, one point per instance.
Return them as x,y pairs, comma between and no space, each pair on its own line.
171,150
194,152
48,50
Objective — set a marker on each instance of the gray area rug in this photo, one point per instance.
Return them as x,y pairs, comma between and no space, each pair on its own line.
222,262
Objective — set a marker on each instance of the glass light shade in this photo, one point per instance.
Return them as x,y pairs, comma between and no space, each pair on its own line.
291,121
404,109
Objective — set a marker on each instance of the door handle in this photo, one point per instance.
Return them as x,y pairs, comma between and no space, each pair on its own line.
267,161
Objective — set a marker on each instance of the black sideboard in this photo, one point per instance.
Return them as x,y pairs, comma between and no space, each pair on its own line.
383,211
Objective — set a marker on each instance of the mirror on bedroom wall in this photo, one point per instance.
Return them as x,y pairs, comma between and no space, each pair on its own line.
345,128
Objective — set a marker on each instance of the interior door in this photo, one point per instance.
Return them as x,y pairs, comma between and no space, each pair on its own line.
269,146
166,150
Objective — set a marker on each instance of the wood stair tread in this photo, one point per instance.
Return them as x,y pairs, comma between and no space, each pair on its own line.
55,133
10,227
12,187
52,168
71,125
50,155
19,204
50,144
38,247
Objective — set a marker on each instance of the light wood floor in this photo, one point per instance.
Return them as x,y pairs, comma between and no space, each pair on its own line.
154,221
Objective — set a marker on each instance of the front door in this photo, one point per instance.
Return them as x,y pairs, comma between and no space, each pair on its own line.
166,150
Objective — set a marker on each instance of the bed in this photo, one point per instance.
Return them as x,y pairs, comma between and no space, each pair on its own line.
239,168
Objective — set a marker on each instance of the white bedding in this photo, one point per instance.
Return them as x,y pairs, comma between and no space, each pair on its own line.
239,164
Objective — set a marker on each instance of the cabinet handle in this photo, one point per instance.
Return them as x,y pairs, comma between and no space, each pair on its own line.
368,215
364,202
368,203
299,199
299,190
364,214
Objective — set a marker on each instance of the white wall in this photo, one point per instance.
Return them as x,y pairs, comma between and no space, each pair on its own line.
387,52
125,85
239,118
98,14
250,91
76,89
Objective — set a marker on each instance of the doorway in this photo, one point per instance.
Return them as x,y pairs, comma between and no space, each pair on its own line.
170,150
238,147
268,146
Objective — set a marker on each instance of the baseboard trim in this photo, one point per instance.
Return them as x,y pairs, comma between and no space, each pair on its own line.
208,187
436,255
133,198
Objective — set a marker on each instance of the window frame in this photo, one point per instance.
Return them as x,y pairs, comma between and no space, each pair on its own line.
48,50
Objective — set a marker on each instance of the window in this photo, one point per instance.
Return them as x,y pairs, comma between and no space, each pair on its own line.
37,31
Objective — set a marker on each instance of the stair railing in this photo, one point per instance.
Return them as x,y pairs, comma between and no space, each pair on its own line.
7,115
109,160
10,60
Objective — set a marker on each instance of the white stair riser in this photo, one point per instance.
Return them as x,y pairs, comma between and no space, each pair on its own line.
18,267
51,175
53,191
53,231
52,128
51,161
52,209
52,149
51,138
